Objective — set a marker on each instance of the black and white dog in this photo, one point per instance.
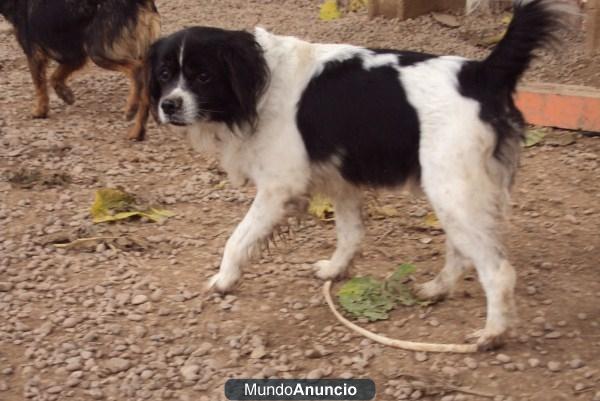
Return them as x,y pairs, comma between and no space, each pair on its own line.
295,117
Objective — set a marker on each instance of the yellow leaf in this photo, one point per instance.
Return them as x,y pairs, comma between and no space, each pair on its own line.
221,185
382,212
356,5
329,10
321,208
432,221
506,19
112,204
489,41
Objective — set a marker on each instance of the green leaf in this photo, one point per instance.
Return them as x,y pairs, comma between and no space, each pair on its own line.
363,297
329,11
533,137
396,285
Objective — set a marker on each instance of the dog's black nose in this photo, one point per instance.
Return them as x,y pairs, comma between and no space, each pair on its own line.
172,105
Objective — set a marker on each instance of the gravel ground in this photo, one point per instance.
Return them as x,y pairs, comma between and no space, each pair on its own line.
124,319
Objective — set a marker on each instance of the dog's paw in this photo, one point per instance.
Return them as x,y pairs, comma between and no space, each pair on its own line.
221,283
327,270
65,94
488,340
431,291
39,112
136,133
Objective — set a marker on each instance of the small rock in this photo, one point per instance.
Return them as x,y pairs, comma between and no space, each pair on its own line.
116,365
156,295
69,322
533,362
74,364
139,299
96,393
5,286
421,356
258,352
314,374
576,363
3,385
54,390
99,290
503,358
554,366
190,372
471,363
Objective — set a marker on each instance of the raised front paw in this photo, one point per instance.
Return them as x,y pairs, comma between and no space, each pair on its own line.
222,283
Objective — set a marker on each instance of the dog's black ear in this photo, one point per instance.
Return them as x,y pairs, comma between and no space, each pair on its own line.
248,74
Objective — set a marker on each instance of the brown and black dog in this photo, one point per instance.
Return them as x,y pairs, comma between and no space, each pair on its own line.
114,34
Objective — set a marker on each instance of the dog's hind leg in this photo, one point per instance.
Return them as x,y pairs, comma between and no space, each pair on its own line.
135,90
38,63
350,232
59,78
469,205
443,284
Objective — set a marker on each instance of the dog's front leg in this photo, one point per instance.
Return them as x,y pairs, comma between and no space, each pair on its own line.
266,211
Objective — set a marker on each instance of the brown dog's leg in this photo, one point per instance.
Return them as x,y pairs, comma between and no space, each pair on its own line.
135,88
138,131
59,78
38,62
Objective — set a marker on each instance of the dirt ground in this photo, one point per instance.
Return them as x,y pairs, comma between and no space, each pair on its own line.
126,320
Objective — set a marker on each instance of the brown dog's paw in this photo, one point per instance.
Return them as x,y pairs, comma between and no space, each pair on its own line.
40,112
65,94
136,134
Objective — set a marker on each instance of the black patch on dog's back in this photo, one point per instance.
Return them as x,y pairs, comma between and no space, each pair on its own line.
364,118
406,57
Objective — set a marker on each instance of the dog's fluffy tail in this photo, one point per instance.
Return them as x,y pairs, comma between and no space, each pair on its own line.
535,24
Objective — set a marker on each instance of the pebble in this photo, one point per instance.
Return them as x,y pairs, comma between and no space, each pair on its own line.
139,299
503,358
576,363
116,365
471,363
96,393
190,372
314,374
6,286
69,322
533,362
54,390
74,364
421,356
554,366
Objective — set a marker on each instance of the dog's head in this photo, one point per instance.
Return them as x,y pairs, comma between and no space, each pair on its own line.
207,75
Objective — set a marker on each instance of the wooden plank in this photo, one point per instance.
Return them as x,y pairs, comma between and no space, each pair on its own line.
404,9
592,26
562,106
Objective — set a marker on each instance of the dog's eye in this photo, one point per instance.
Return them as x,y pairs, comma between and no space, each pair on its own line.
164,75
203,77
